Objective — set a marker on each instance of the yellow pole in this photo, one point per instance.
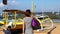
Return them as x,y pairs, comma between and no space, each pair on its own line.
5,19
15,17
6,16
32,7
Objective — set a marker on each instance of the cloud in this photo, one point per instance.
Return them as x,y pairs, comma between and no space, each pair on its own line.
1,4
16,2
13,1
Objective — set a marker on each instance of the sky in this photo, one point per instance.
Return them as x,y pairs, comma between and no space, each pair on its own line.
39,5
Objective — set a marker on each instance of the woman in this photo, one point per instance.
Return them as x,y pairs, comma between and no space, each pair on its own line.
27,21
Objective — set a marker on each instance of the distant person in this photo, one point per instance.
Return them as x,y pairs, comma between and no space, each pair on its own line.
27,21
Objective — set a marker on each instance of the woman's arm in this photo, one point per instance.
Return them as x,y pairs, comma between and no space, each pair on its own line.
23,25
23,28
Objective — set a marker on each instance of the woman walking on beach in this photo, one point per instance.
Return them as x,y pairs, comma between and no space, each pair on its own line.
27,21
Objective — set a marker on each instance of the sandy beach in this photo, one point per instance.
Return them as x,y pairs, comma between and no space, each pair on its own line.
1,31
55,31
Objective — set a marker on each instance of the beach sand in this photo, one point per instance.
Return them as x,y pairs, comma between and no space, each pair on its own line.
1,31
55,31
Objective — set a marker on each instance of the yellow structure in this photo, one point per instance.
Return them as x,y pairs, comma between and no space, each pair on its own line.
41,23
38,19
17,24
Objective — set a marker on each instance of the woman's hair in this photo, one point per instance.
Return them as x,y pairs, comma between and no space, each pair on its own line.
28,13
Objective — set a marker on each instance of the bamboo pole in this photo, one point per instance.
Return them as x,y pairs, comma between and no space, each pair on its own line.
5,19
33,7
15,17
